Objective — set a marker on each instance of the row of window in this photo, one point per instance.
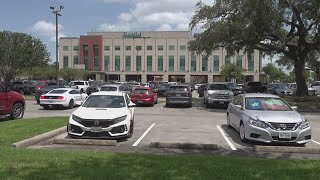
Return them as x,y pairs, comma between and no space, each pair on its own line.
171,61
127,48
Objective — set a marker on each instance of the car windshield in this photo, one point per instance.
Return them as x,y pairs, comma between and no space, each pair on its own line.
58,91
266,103
78,83
104,101
232,85
178,88
141,91
108,88
218,87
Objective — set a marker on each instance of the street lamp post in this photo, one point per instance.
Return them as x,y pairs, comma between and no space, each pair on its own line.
57,13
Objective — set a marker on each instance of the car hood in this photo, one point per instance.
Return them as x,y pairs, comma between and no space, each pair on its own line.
100,113
219,91
276,116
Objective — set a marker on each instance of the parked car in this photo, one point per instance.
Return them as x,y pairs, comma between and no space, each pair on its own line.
62,97
316,86
267,118
201,89
45,90
311,90
81,85
196,86
144,95
235,88
23,87
40,84
279,89
218,94
255,87
95,86
179,94
162,89
115,87
12,104
104,114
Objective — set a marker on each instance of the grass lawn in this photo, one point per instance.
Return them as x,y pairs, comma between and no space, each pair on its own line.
304,103
29,97
50,164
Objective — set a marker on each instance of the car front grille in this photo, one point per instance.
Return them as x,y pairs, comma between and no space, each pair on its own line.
96,122
276,138
94,134
284,126
221,96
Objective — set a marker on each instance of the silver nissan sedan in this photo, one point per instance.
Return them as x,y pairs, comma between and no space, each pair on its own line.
267,118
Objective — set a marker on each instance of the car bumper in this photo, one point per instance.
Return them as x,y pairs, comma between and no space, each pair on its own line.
219,101
271,136
53,103
142,101
178,100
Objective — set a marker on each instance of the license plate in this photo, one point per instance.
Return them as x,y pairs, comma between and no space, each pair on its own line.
49,101
285,135
221,102
178,94
96,129
140,101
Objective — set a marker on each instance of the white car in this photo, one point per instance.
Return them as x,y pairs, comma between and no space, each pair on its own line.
81,85
316,86
105,114
62,97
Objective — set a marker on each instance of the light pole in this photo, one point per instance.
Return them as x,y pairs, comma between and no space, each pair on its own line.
57,13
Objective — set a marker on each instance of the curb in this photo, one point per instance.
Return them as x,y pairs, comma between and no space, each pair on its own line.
85,142
285,149
39,138
184,146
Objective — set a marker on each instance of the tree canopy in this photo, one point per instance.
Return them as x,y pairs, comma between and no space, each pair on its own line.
73,74
232,71
286,27
19,52
273,73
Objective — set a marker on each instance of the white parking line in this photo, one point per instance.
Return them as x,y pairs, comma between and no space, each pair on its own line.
143,135
315,142
226,138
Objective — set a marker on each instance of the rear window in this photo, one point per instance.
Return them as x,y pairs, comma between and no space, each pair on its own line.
178,88
141,91
57,91
218,87
254,84
78,83
108,88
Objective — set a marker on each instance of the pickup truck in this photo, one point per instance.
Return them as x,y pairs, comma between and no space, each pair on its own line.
23,87
12,104
255,87
81,85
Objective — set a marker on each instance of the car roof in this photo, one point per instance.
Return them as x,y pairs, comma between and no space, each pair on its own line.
260,95
68,89
111,93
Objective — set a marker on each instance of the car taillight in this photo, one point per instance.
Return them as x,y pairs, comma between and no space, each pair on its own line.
60,97
42,97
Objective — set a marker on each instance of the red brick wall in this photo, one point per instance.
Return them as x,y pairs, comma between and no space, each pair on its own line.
90,41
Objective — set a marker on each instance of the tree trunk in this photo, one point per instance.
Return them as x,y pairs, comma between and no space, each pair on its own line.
302,89
317,71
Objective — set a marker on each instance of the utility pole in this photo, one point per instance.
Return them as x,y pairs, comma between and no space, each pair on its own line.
57,13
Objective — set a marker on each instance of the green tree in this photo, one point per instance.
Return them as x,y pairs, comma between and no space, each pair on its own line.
232,71
73,74
20,52
273,73
41,73
286,27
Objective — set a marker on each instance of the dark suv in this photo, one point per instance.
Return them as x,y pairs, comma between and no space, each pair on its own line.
179,94
11,103
255,87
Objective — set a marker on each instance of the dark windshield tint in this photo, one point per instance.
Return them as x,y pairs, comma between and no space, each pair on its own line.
266,103
108,88
57,91
218,87
141,91
78,83
104,101
178,88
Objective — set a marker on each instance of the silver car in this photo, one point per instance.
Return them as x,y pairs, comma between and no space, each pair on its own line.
267,118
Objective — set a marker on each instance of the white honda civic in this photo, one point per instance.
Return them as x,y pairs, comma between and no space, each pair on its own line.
104,114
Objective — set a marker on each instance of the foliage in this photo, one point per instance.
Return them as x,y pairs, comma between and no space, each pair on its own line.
73,74
20,52
290,28
273,73
42,73
232,71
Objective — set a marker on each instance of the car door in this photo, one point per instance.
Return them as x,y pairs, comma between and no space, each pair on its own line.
131,109
238,112
75,95
231,109
3,100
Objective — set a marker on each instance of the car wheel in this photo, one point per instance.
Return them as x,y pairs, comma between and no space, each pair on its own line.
228,121
45,107
71,104
130,133
17,111
242,133
190,105
38,102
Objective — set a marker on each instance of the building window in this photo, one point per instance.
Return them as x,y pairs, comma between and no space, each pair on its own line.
76,48
96,63
138,63
106,63
85,59
117,48
182,48
85,48
65,48
171,48
160,47
239,60
106,48
204,63
128,63
227,60
75,60
149,63
128,48
160,63
65,62
149,48
182,63
138,48
250,62
193,63
216,63
171,63
117,63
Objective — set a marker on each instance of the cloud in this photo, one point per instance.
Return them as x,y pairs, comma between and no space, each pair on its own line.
47,29
164,27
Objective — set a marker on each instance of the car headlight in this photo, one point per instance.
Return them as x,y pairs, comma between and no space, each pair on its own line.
76,118
119,119
258,123
304,124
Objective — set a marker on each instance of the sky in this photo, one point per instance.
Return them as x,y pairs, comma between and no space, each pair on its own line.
81,16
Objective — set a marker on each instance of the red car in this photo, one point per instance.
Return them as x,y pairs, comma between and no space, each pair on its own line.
144,95
12,104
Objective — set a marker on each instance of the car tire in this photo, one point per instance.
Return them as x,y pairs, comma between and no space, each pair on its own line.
17,111
130,133
190,105
71,104
208,105
38,102
45,107
228,121
242,133
168,105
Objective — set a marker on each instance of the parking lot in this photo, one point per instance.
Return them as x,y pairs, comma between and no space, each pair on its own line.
196,125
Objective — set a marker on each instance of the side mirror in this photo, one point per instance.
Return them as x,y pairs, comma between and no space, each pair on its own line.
294,108
238,107
131,104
